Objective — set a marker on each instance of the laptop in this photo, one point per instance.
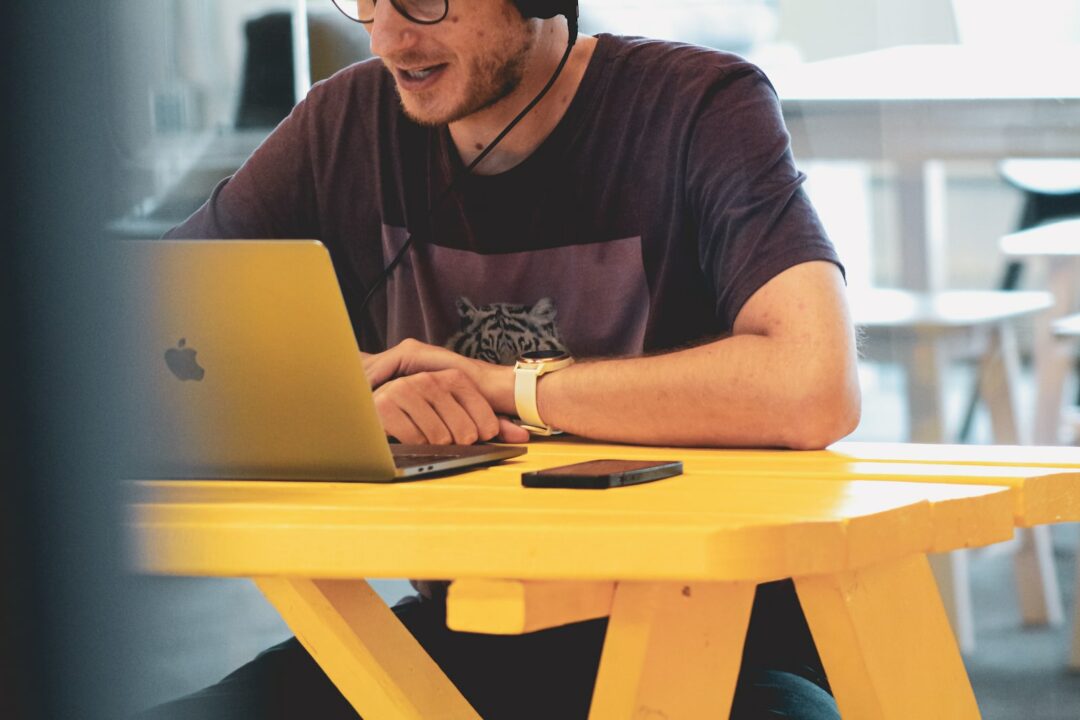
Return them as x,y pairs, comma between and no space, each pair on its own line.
242,363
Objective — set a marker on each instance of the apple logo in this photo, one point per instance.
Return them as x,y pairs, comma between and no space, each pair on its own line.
181,361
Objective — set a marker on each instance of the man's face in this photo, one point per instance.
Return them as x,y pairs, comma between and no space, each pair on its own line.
448,71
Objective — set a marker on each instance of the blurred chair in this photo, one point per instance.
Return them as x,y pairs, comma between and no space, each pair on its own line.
1050,187
922,331
1055,247
1067,330
268,92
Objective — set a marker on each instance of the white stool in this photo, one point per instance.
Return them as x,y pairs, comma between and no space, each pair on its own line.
1057,248
1067,330
923,330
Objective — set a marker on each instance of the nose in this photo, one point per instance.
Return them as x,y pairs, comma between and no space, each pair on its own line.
391,32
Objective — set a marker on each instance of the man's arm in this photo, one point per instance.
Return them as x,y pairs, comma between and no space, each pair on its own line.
786,377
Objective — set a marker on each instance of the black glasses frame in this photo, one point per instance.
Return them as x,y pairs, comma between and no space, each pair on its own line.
397,6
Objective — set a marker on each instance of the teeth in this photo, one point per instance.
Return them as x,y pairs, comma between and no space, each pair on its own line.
418,74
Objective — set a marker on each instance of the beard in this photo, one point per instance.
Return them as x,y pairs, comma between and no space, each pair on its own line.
490,78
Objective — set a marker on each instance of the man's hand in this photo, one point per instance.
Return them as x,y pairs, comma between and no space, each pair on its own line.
427,394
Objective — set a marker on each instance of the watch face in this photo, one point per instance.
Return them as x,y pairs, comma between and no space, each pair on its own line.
542,355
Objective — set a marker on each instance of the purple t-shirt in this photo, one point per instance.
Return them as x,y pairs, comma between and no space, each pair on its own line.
664,198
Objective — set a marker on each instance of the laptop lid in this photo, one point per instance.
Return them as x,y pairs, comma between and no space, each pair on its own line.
243,364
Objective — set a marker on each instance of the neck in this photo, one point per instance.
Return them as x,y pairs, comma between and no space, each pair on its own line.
473,133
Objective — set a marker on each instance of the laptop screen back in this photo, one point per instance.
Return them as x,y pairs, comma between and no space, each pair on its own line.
243,363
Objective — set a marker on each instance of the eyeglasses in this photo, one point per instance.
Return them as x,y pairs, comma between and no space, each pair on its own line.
424,12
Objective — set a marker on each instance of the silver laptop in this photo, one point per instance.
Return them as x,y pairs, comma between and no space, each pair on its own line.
242,363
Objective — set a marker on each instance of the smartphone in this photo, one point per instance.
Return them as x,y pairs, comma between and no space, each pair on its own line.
602,474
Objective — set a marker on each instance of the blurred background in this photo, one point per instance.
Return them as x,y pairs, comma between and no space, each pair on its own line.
124,119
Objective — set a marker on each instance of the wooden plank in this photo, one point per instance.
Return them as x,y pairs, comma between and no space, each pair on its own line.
672,651
515,607
892,452
700,526
885,642
365,651
1005,455
1048,478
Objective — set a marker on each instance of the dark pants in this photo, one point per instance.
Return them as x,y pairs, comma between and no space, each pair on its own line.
548,674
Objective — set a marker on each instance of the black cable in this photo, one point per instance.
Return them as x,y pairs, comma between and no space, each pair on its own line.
571,41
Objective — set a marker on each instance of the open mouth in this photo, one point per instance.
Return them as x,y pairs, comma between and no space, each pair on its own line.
418,78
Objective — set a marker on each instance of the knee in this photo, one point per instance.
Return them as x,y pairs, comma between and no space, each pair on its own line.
776,694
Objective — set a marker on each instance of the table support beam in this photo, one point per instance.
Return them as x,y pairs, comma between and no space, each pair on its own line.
515,607
365,650
672,650
885,642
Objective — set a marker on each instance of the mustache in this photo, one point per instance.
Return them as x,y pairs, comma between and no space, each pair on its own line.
413,59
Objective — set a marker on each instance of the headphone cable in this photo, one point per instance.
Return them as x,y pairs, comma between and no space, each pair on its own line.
409,241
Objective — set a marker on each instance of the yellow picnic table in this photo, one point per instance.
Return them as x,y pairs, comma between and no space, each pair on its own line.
674,564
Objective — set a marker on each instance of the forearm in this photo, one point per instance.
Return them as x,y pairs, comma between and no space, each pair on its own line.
745,390
786,377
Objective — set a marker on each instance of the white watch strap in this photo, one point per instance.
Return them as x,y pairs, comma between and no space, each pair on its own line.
525,395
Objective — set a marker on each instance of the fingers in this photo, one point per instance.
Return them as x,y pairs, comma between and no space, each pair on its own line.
511,432
436,408
406,358
380,367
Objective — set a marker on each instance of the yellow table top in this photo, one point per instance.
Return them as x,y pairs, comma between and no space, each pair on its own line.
1046,479
734,515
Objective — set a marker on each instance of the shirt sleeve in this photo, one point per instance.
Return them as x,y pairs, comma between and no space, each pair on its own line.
272,195
755,220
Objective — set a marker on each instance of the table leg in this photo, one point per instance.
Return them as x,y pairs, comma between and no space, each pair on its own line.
920,196
1053,362
885,641
672,651
924,366
363,648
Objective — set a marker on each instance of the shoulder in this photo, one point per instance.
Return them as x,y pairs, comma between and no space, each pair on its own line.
673,64
350,109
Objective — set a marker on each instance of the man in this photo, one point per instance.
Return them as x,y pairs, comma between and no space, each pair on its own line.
645,216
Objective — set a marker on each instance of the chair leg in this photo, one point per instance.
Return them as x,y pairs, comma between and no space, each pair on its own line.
1010,280
1036,577
1077,369
1074,655
954,584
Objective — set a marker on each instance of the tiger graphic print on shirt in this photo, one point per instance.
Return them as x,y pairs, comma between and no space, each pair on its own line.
501,332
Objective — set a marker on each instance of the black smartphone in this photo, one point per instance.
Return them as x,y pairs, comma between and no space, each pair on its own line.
602,474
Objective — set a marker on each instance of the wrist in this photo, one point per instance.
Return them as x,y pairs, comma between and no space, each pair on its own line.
528,371
496,382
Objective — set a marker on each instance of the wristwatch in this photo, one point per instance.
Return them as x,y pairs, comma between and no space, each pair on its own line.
530,366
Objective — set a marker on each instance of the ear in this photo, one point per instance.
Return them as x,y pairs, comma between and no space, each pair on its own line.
465,308
467,311
544,310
